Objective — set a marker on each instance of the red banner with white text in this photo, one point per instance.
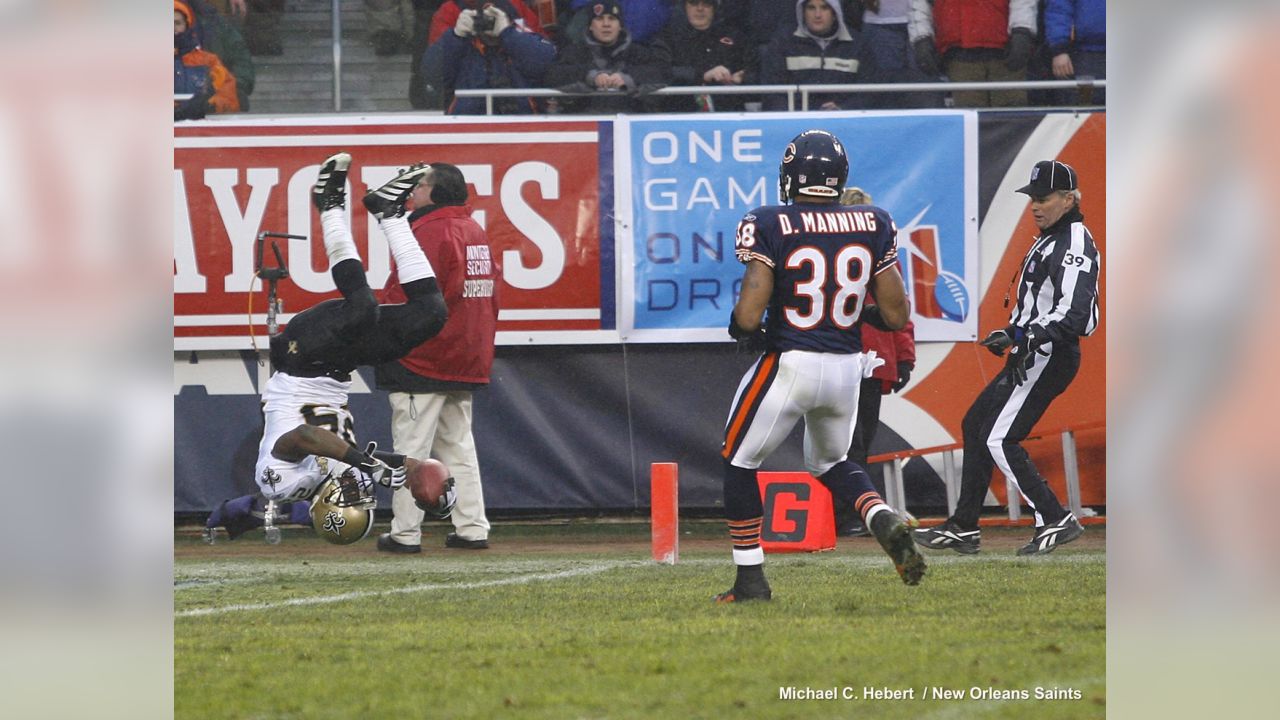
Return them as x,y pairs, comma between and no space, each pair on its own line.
534,186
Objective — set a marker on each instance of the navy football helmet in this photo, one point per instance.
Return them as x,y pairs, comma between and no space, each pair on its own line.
814,164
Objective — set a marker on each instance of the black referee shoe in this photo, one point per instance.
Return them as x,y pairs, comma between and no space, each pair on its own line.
386,544
453,540
1048,538
949,536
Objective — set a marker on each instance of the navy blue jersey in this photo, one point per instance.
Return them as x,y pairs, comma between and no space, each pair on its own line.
823,259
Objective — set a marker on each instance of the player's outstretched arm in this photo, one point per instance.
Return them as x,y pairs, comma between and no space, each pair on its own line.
306,440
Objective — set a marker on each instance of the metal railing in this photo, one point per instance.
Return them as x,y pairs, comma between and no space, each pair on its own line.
895,494
803,91
336,14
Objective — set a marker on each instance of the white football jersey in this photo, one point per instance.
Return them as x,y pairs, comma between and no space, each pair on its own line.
288,402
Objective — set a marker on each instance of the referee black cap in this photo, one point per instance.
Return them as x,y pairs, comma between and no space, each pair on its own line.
1048,176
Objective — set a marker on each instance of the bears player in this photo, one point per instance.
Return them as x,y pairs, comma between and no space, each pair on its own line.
811,264
309,432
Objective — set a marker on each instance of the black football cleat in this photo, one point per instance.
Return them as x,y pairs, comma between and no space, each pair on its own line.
949,536
330,190
388,200
750,584
895,537
1048,538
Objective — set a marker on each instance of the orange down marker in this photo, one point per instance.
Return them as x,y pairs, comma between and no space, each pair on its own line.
664,513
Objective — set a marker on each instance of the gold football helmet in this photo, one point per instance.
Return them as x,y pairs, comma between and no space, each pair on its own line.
341,510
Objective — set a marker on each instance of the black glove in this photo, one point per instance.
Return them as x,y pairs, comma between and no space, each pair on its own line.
749,342
1018,49
871,316
997,342
1023,351
904,375
927,57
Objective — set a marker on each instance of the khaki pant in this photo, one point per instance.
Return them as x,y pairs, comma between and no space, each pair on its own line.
425,425
992,70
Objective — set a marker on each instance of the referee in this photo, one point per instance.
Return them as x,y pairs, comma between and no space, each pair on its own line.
1057,303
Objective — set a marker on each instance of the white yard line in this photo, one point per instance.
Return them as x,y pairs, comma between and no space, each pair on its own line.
426,587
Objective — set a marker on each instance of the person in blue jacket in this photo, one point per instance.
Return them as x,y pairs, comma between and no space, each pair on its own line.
821,51
485,49
1076,33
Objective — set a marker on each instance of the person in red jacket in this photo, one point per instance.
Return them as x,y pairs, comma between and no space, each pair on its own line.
898,350
977,41
431,387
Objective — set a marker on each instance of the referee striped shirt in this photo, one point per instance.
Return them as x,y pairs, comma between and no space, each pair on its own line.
1058,290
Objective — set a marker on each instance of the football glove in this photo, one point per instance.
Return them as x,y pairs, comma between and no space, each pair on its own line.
871,316
749,342
380,472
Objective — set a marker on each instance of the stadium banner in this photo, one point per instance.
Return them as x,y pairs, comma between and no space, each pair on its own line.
535,187
693,178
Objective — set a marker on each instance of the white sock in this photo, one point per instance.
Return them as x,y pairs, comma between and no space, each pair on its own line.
754,556
338,242
411,263
877,508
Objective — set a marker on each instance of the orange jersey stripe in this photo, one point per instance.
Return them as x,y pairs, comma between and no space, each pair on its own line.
748,400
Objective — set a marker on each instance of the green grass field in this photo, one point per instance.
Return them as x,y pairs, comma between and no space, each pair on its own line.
571,620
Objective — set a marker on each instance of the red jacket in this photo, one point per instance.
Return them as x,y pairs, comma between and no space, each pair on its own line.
468,273
970,24
893,347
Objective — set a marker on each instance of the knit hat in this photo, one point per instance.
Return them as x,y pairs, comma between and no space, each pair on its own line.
186,11
607,8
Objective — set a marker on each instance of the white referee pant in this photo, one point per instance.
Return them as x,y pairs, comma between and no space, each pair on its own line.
426,425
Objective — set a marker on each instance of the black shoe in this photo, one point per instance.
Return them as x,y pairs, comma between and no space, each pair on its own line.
330,190
386,544
235,526
746,588
385,42
1048,538
948,535
453,541
388,200
895,537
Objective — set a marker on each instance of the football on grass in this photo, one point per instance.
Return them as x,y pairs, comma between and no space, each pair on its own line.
427,480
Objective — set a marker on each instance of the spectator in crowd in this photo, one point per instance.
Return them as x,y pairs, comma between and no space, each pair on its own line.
431,387
262,26
445,19
706,51
821,51
975,41
218,35
198,72
883,24
423,13
1076,33
498,56
387,21
610,65
646,19
897,348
